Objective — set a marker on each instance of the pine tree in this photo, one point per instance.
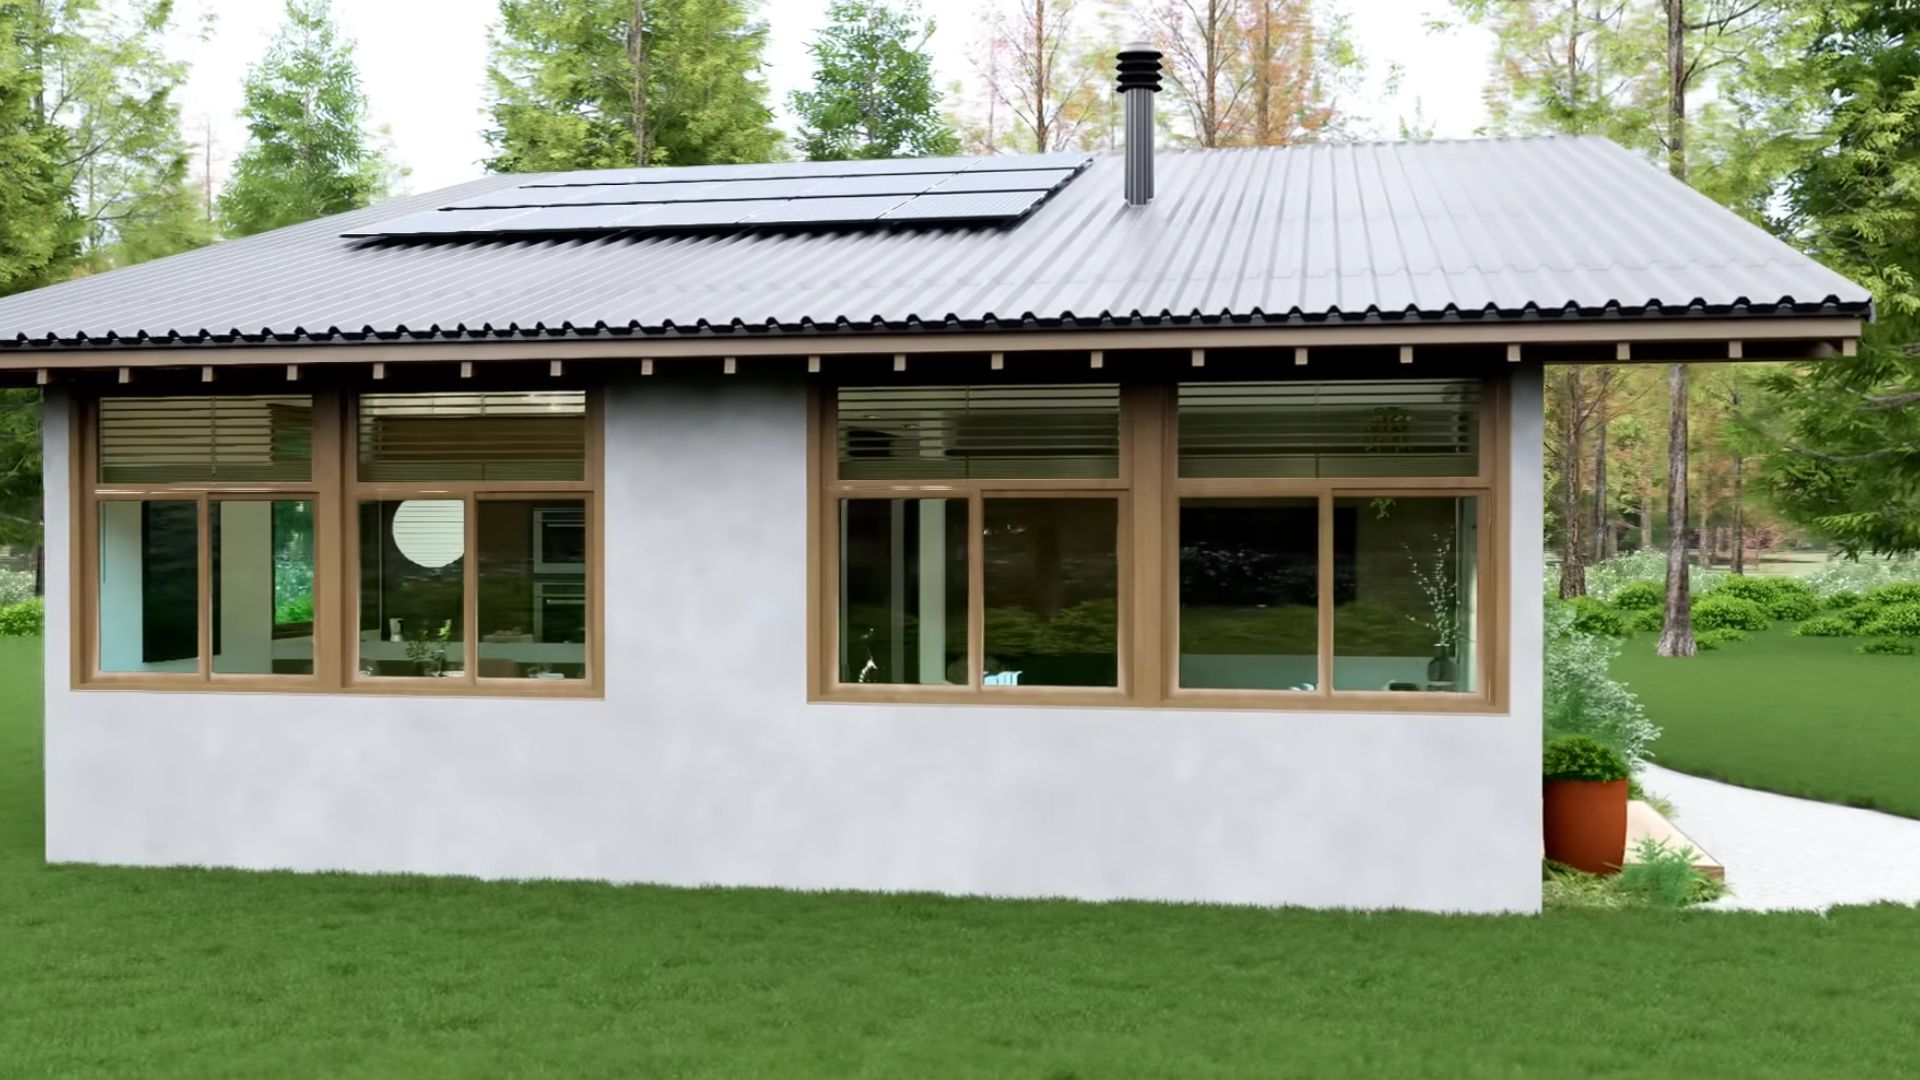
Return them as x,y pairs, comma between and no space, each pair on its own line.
1850,465
873,94
308,151
36,232
584,84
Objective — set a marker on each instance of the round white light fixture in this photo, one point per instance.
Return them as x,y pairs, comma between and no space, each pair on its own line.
431,533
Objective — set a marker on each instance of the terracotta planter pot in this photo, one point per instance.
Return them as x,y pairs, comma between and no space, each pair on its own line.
1586,824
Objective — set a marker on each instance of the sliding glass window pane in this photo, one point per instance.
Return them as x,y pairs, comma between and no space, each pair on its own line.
263,588
149,586
1249,594
1052,592
413,588
903,591
1406,584
533,589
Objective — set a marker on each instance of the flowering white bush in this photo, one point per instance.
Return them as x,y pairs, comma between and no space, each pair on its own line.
1583,697
1604,579
1848,576
16,587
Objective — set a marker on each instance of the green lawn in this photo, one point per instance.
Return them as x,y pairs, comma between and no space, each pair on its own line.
1803,716
185,973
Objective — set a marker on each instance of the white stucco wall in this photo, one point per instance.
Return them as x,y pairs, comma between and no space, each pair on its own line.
706,765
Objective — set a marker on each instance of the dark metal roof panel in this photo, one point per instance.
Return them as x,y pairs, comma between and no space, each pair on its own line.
1339,231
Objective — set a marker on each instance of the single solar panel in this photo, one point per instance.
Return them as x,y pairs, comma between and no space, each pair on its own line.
784,194
984,205
1025,180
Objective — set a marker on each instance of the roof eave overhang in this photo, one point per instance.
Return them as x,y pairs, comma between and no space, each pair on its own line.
1830,329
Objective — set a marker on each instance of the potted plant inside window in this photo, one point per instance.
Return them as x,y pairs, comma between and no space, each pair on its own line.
1438,580
1585,814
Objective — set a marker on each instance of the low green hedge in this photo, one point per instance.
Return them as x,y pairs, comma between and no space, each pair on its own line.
1640,596
1590,616
1885,647
1728,611
1709,640
26,619
1780,597
1894,620
1825,626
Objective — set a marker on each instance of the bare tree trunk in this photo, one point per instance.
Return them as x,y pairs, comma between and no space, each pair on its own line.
1739,511
1573,570
39,570
637,97
1677,88
1602,525
1263,79
1676,635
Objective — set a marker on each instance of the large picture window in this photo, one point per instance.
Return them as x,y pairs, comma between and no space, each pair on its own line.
1275,544
428,542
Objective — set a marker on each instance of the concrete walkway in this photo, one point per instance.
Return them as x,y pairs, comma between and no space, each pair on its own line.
1784,853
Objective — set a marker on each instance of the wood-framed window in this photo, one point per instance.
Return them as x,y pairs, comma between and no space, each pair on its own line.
1205,543
340,541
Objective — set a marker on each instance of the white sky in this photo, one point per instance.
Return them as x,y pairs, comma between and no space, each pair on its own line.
423,65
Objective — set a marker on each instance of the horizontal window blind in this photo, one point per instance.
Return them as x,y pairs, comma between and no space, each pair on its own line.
1330,429
979,432
203,440
537,435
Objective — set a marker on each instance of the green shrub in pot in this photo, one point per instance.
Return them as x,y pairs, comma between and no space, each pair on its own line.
1580,757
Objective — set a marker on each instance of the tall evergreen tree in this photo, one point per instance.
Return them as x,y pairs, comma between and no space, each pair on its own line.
873,94
582,84
1851,463
35,231
308,151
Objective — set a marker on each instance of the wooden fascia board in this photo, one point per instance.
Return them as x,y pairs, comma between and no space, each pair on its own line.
1828,328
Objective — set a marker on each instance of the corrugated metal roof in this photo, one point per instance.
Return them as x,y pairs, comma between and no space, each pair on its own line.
1339,232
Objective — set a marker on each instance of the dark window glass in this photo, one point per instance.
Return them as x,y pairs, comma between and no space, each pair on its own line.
1249,595
903,591
1406,574
1052,592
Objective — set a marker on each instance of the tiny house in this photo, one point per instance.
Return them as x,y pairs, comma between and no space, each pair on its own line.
1094,526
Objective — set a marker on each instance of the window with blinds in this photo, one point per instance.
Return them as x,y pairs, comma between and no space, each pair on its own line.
189,440
1334,429
979,432
412,438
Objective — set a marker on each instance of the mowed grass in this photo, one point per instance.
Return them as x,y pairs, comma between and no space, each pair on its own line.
1801,716
204,974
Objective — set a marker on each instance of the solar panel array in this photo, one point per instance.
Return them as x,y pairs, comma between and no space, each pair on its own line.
813,194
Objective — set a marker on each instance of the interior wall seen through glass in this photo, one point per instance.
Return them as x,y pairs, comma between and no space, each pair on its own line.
903,591
533,589
263,597
149,586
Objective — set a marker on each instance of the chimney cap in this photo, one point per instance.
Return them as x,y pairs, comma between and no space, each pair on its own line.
1139,64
